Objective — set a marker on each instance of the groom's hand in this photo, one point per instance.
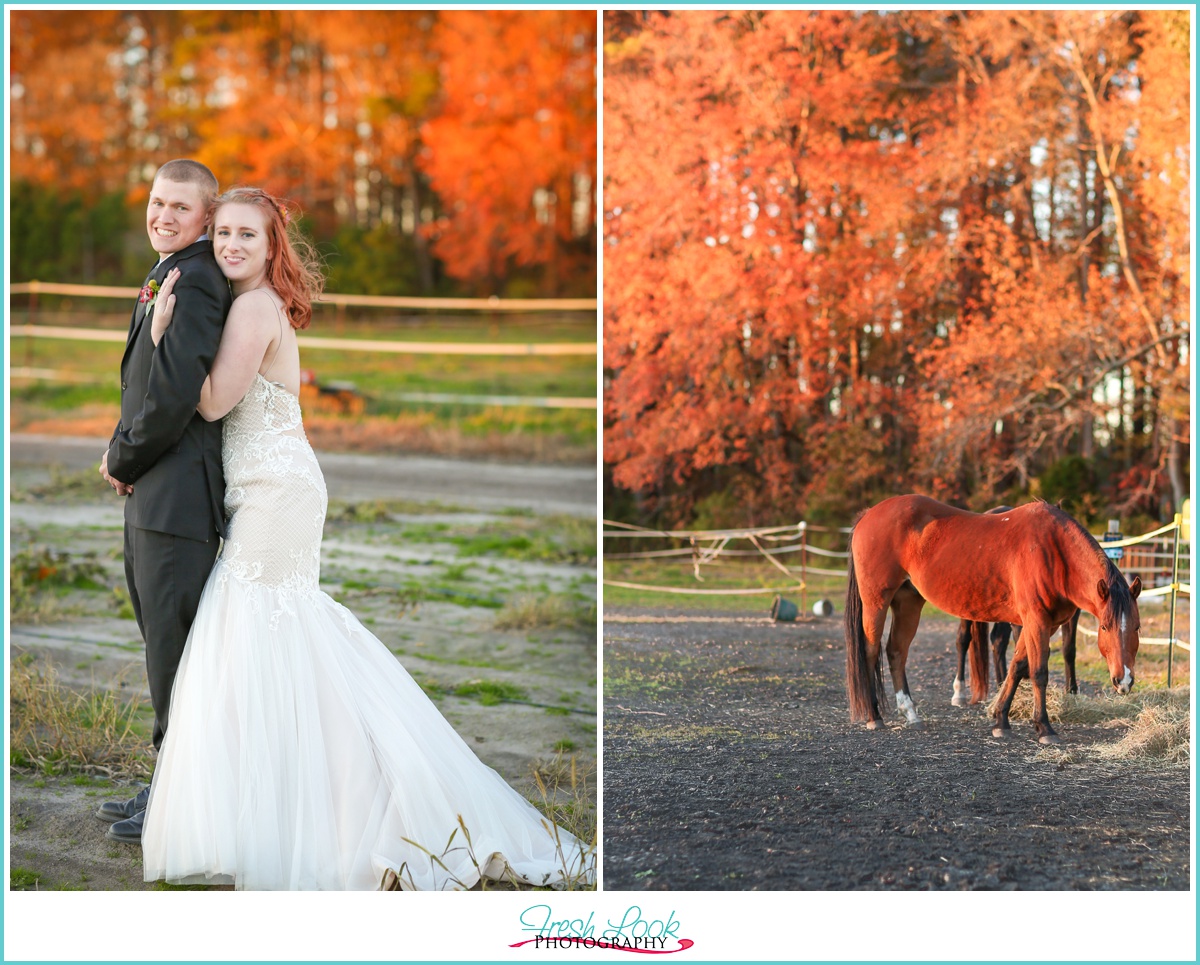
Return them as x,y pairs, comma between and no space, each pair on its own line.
123,489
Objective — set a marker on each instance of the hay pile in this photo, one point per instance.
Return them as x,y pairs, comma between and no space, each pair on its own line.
1156,723
1162,730
1022,705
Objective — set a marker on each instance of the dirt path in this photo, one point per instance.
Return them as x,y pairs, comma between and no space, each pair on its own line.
429,580
483,485
730,763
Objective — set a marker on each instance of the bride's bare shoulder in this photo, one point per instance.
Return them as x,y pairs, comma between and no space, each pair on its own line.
255,307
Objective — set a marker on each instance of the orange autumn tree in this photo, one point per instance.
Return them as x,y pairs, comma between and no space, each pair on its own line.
512,150
853,257
1068,146
331,108
68,129
340,140
756,319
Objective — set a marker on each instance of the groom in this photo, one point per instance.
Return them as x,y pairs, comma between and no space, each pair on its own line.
163,456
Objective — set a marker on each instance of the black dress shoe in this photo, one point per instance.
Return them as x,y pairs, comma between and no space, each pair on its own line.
121,810
129,830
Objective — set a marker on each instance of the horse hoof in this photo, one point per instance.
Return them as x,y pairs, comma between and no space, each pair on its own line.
959,701
1000,731
874,724
918,724
1049,739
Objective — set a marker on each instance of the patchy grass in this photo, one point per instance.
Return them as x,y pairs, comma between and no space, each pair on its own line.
490,692
551,436
528,612
40,577
549,539
22,879
454,661
122,603
405,598
374,511
434,689
728,574
83,485
382,510
55,730
456,572
391,423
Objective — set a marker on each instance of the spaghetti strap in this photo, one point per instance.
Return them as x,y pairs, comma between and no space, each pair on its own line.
279,343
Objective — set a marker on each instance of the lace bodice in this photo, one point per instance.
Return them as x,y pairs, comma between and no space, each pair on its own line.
275,496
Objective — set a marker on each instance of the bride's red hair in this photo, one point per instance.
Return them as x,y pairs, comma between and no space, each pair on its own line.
294,270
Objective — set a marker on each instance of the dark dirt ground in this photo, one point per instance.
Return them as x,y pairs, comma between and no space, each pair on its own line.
730,764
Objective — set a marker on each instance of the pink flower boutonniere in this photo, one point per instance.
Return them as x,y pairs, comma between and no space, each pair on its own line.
148,294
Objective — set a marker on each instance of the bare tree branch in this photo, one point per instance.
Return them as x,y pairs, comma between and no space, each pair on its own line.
1119,363
1114,198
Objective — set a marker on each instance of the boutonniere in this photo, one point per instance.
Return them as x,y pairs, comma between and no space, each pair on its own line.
148,294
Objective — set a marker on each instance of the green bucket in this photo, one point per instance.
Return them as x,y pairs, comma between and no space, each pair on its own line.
783,610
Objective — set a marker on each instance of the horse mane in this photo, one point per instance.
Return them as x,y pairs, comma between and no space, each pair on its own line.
1120,599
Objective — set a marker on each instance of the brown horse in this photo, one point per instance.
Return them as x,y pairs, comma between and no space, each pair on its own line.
1032,566
971,644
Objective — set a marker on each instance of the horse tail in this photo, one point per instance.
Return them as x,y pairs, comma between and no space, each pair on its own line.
859,690
977,651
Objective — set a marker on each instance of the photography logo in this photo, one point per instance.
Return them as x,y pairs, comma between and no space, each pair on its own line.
632,933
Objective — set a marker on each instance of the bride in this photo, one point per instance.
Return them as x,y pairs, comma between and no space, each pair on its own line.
301,755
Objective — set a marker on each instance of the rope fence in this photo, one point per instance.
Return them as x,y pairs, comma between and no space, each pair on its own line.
1172,533
1149,559
44,327
492,303
707,547
340,344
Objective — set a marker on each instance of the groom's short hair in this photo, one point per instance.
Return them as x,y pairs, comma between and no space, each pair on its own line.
187,171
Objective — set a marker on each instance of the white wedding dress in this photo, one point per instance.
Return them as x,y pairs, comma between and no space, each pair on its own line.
299,753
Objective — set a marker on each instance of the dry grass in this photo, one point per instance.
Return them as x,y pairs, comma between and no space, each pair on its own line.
40,577
93,419
564,800
56,730
83,485
407,433
421,432
1161,730
1156,724
564,795
1022,705
529,612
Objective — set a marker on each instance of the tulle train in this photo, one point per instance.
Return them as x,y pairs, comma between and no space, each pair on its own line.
303,756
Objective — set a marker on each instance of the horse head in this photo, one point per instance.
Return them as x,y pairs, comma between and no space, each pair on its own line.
1119,626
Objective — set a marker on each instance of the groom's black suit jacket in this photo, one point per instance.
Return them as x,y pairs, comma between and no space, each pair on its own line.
162,446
